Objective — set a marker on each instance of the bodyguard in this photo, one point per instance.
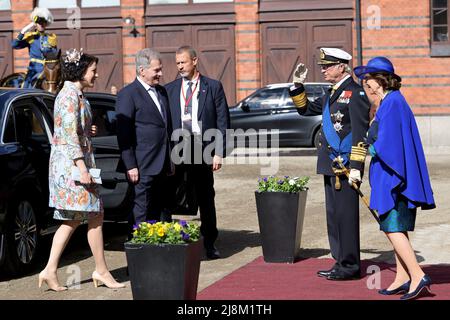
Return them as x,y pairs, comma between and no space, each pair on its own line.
345,120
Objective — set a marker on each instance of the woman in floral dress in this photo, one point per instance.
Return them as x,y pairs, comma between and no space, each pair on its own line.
75,202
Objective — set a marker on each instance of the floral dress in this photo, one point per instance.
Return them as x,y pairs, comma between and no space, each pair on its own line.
71,141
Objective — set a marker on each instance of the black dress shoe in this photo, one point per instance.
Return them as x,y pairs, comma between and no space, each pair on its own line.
212,253
325,273
341,276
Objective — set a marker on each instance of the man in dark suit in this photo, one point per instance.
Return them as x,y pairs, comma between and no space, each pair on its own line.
144,127
345,120
198,106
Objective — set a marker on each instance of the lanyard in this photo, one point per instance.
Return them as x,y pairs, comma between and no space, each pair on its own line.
186,102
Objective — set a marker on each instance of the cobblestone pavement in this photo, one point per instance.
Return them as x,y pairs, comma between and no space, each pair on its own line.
239,240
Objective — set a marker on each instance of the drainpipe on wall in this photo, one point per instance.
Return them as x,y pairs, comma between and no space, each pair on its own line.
358,33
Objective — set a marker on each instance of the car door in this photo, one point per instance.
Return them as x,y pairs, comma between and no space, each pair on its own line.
257,113
34,132
115,190
33,125
295,129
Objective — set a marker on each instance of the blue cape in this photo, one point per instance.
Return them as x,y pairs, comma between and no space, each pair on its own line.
399,166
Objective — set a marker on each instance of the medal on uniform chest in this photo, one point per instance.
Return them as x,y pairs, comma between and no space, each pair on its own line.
338,116
338,126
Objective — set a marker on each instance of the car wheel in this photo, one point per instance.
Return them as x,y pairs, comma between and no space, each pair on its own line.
22,237
316,140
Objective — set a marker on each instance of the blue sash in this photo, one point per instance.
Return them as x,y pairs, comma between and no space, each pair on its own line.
338,147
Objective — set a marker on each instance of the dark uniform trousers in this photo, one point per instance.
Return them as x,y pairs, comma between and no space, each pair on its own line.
342,207
348,109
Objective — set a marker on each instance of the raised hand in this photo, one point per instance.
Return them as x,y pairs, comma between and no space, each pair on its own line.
300,74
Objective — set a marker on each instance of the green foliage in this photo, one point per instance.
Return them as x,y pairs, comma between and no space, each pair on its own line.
285,184
176,232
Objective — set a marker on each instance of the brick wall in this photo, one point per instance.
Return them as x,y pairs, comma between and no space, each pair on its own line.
20,16
248,50
131,44
403,36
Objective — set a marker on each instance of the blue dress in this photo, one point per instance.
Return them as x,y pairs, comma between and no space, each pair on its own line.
398,173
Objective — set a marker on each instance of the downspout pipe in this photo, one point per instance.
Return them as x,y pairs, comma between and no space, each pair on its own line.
358,32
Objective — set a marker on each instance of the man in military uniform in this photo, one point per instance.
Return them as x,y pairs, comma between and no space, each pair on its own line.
345,120
39,43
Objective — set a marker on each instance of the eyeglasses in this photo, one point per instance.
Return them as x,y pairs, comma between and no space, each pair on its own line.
328,66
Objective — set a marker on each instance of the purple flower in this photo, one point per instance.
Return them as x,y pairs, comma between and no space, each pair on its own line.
135,227
286,177
280,182
265,179
152,221
183,223
184,235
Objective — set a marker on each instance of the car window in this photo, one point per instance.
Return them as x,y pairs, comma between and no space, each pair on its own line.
104,117
313,92
30,124
50,103
266,98
9,135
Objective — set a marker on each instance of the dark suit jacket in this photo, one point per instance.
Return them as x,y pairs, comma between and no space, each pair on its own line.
212,109
355,110
142,133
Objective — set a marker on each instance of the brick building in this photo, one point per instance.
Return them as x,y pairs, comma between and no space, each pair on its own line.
249,43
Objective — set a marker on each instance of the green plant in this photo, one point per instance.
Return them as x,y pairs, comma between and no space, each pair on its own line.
176,232
285,184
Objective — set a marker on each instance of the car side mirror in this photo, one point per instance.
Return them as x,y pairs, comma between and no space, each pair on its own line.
245,107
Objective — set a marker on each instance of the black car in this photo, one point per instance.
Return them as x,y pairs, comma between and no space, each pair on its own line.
271,108
26,127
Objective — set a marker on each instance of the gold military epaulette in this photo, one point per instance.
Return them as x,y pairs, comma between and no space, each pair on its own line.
51,39
358,153
29,36
300,100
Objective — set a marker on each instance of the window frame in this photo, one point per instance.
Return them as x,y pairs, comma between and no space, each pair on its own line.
189,13
91,17
439,48
78,4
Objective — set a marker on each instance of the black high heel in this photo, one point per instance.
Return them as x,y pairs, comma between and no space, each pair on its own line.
425,283
402,289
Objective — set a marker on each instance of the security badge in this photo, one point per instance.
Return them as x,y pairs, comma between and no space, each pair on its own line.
345,97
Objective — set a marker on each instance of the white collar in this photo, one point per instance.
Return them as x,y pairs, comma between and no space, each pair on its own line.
193,80
145,85
337,85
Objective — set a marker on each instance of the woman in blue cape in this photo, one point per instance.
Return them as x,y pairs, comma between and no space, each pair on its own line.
398,173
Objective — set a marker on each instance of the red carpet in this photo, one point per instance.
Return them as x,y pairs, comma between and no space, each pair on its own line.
259,280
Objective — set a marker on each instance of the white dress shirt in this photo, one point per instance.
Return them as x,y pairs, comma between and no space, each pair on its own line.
184,87
153,94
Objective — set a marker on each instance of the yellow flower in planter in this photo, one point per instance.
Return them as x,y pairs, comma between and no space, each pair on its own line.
153,232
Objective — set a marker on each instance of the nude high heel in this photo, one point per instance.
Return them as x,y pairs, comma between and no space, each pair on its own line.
107,281
52,285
